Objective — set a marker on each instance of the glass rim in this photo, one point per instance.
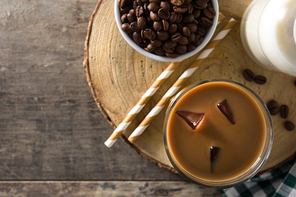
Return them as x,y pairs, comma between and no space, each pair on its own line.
257,165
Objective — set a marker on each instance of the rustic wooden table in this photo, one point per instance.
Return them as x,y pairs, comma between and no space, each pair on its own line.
51,131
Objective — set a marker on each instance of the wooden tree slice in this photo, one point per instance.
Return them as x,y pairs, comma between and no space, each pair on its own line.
118,76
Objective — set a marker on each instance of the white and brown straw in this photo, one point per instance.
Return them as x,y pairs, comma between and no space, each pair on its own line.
144,99
178,84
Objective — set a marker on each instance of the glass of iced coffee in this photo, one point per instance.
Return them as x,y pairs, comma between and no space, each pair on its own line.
218,133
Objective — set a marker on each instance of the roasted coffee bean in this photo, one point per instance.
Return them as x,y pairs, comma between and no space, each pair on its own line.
168,50
179,18
157,25
259,79
196,13
146,11
195,22
153,7
139,2
274,111
137,38
201,31
205,22
124,18
186,2
295,82
180,9
146,41
190,8
176,37
209,12
198,40
125,27
162,35
125,9
172,55
173,17
272,107
177,2
289,125
155,1
200,4
159,51
248,75
163,14
145,1
272,104
192,27
181,49
284,111
190,47
186,31
165,25
149,34
141,22
166,5
134,27
132,12
139,11
183,41
124,3
150,47
169,44
191,38
173,28
131,18
188,18
180,28
154,16
156,43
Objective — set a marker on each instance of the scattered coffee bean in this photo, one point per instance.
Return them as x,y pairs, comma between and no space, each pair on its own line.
272,104
289,125
274,111
259,79
153,23
248,75
284,111
273,107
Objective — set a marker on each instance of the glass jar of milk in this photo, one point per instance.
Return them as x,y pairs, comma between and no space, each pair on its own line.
268,34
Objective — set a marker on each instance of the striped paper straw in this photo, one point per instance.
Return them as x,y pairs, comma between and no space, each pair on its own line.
178,84
144,99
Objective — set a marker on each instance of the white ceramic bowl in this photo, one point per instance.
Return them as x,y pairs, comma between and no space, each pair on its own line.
207,37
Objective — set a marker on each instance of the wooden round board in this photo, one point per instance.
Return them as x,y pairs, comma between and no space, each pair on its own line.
119,76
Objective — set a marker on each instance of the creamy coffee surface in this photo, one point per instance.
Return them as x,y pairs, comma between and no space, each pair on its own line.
237,141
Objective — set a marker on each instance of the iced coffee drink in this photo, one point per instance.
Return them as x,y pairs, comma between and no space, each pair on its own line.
218,133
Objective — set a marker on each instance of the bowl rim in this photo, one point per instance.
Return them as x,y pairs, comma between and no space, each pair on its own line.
186,55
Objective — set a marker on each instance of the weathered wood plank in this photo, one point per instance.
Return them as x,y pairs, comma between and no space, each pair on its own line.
50,126
102,189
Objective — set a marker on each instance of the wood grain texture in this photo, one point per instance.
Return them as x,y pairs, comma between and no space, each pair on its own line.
104,189
119,76
50,126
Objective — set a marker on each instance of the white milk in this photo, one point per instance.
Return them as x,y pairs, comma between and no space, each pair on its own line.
268,33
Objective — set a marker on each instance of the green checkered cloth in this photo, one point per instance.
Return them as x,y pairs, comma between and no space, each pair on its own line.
280,182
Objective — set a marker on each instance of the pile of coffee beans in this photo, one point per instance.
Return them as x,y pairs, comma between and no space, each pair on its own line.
250,76
166,27
284,113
